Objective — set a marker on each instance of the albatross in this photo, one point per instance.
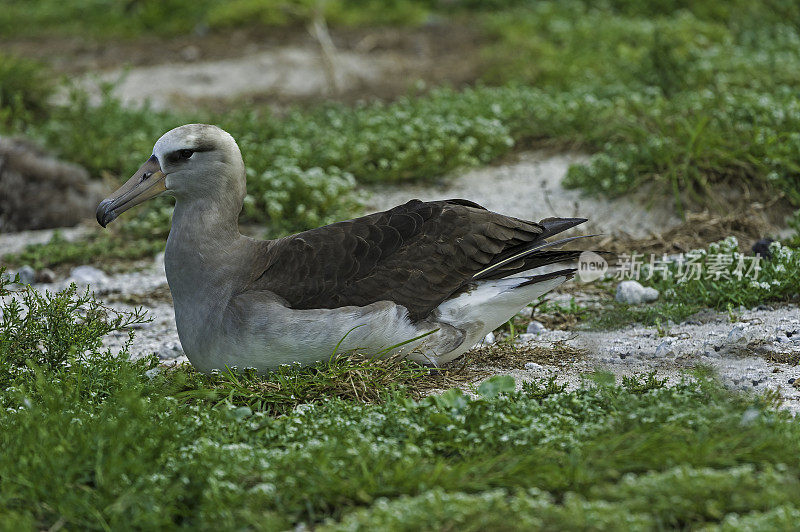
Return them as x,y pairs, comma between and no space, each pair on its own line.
427,279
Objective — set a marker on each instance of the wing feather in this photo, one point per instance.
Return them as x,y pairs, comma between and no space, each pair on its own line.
417,255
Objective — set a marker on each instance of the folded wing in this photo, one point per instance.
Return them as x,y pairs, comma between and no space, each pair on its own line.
416,255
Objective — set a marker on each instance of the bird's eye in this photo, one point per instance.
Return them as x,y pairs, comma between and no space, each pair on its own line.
185,154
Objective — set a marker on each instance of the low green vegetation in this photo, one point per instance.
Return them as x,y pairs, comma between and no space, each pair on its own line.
720,277
697,96
93,440
105,247
723,276
24,88
617,315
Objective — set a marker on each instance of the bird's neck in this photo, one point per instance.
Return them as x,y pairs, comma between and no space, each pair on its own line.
202,250
204,259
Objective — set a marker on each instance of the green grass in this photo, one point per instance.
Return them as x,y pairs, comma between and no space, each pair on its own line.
701,95
25,87
93,440
104,247
350,376
776,281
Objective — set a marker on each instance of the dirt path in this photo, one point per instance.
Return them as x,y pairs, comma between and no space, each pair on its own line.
281,67
281,74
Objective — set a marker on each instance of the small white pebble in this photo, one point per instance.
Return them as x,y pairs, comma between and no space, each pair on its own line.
665,349
737,335
87,275
535,327
633,293
533,366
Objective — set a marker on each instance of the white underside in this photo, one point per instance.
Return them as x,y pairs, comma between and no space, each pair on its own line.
484,309
260,331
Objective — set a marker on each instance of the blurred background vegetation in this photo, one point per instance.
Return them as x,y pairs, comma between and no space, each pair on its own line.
685,97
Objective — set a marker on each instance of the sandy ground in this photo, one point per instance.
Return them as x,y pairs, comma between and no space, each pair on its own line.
277,68
283,73
740,352
529,187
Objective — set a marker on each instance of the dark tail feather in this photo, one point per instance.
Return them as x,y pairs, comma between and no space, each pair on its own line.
568,272
530,255
504,260
553,226
529,262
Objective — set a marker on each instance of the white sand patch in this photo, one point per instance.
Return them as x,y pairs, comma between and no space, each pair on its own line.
530,188
294,72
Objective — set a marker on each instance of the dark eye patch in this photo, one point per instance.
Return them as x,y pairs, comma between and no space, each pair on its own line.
186,153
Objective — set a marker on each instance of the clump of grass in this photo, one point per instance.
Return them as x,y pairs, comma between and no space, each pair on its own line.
106,138
643,384
721,278
53,333
618,315
25,86
555,315
537,390
734,282
349,377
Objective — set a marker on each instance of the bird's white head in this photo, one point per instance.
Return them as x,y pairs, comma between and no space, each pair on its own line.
190,162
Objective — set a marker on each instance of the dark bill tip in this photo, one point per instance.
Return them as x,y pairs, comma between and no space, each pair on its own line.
105,214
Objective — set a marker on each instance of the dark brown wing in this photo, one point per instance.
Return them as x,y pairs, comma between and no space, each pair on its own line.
416,255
